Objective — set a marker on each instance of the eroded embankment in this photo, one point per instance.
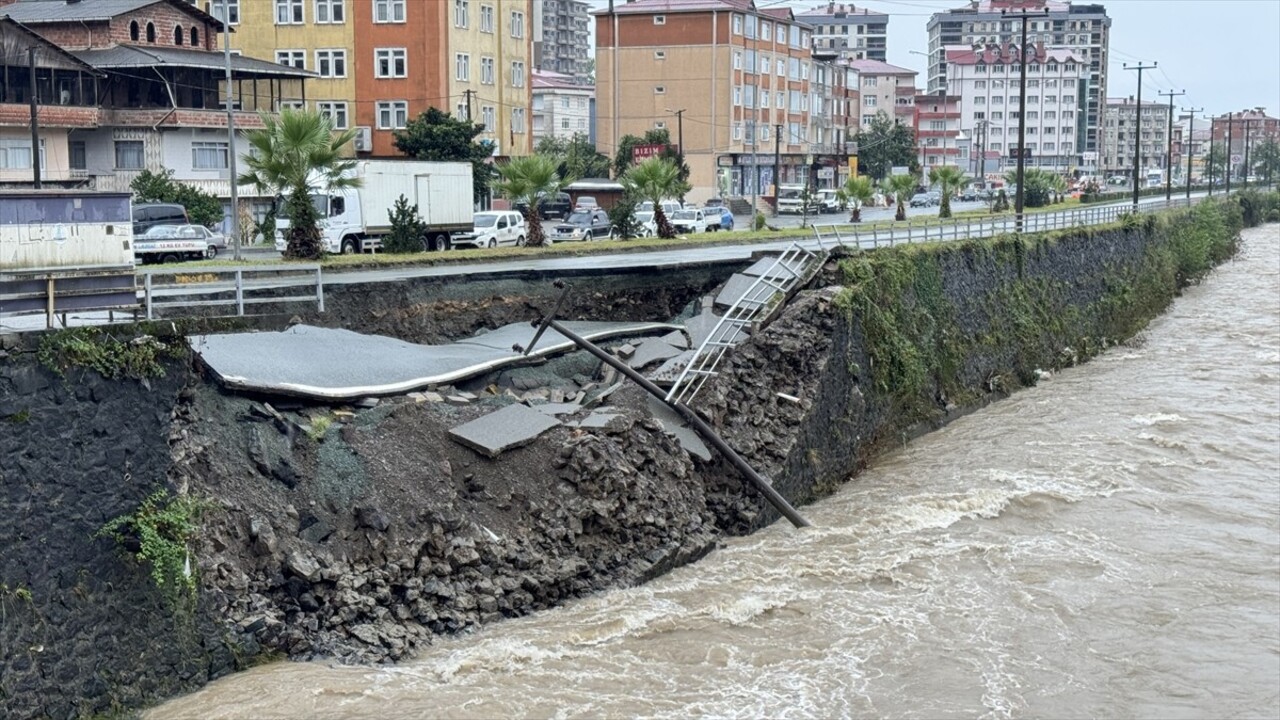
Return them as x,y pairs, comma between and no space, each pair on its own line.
365,535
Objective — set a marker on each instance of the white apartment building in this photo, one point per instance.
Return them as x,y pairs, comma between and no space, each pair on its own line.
847,32
561,106
883,88
986,79
1123,134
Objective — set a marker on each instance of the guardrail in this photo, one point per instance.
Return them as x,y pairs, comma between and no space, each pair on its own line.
57,291
230,285
933,230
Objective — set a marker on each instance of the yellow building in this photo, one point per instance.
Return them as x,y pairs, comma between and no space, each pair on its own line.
315,35
489,69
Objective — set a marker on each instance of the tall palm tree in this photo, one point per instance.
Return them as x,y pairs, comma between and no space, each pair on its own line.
295,155
949,179
900,187
655,180
527,180
859,190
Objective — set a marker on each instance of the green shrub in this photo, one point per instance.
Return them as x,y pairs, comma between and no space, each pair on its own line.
758,222
202,208
407,228
623,218
162,528
95,349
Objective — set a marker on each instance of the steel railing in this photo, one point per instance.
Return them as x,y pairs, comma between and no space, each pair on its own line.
237,286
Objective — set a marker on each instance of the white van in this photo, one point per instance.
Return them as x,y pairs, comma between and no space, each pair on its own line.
494,228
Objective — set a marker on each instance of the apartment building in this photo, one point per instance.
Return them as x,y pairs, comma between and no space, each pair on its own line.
124,86
938,132
1083,28
564,34
746,80
884,88
561,106
986,79
1127,132
847,32
1246,130
380,63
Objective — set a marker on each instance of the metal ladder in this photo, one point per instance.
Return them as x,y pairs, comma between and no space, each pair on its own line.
795,266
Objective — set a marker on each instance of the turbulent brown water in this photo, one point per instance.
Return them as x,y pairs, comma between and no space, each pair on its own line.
1106,544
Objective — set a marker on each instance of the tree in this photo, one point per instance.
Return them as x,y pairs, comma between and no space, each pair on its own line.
883,145
655,180
293,155
900,187
623,218
575,156
407,228
203,208
436,135
1037,184
527,180
1216,162
949,179
859,190
1266,160
622,160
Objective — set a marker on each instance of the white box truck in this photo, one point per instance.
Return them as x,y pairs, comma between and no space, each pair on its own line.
355,219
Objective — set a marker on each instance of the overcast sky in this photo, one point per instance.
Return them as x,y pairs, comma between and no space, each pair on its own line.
1224,53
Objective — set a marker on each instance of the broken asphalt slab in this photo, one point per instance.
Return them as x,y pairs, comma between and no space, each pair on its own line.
497,432
745,290
651,351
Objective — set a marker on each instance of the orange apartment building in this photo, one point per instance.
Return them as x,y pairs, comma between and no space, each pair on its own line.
741,74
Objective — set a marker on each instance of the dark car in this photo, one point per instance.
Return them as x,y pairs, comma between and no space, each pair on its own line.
149,215
584,225
553,206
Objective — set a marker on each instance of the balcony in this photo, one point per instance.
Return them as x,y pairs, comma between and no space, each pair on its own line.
176,117
53,116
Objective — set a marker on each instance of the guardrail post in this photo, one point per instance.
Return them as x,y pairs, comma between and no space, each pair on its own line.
49,289
319,291
146,293
239,292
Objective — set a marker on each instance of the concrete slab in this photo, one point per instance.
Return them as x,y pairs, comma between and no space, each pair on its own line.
497,432
334,364
650,352
741,287
674,425
563,408
677,339
598,420
672,368
765,267
700,326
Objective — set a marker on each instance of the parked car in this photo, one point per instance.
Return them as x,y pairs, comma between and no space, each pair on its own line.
714,202
551,206
668,207
171,243
494,228
827,201
215,240
648,226
970,194
921,200
696,221
935,197
584,225
149,215
586,202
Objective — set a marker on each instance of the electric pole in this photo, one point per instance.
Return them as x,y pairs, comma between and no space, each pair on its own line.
1022,113
982,153
1168,148
467,94
1231,121
233,226
35,128
1137,129
777,179
1191,146
679,138
1247,127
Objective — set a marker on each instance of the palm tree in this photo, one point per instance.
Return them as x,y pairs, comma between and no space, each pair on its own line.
900,187
526,180
295,155
949,179
655,180
859,190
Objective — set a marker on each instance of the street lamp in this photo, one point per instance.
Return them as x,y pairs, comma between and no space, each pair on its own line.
679,137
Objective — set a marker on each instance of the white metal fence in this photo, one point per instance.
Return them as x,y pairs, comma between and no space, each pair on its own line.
238,286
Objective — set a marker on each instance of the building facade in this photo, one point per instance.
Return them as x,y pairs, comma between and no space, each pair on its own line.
490,73
1084,29
748,84
565,35
986,81
1127,132
847,31
561,106
884,88
938,132
1246,130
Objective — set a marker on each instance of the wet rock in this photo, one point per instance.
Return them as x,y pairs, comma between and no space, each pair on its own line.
302,566
372,518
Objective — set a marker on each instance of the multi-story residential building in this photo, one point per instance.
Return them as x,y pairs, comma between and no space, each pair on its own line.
938,132
986,79
382,62
1083,28
848,32
1247,129
1126,134
564,36
884,88
126,86
747,83
561,106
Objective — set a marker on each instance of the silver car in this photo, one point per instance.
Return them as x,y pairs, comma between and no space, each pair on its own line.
217,242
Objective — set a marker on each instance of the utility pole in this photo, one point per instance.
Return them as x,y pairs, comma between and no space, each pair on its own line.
1137,129
1022,113
1168,148
982,153
467,94
679,138
1247,127
1191,146
777,155
35,128
1231,121
233,226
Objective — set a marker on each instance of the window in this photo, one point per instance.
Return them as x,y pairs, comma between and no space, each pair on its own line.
486,71
657,125
16,154
288,12
517,120
517,24
737,24
330,11
388,11
209,156
737,131
764,133
659,55
79,155
390,63
1069,99
979,84
292,58
134,31
462,67
128,155
178,36
233,13
979,101
298,105
331,63
869,101
336,112
486,118
151,32
461,112
869,82
393,115
737,60
659,90
737,96
766,30
461,13
1033,98
195,37
659,19
486,18
517,74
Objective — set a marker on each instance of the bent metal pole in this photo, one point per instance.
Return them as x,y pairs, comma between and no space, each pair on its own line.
760,482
